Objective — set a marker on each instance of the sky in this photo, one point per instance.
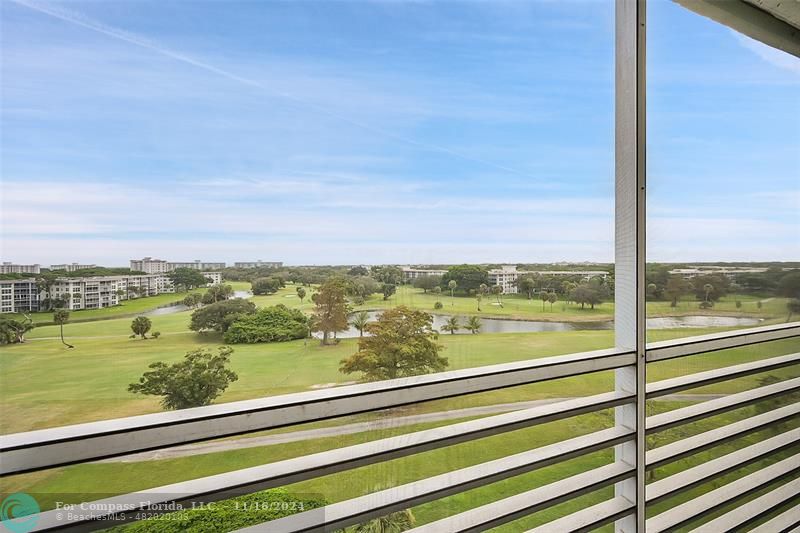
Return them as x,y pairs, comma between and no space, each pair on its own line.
375,132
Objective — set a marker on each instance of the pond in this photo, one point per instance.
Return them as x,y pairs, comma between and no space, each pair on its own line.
177,308
501,325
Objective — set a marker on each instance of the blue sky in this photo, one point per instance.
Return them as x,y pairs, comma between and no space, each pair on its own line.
372,132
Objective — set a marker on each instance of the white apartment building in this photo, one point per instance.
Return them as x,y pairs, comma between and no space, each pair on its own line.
410,274
11,268
730,272
71,267
258,264
148,265
196,265
215,277
86,293
507,276
18,296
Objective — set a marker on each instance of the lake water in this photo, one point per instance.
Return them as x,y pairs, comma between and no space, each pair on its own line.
500,325
177,308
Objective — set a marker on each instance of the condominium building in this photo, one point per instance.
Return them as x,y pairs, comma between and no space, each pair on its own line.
148,265
196,265
728,271
11,268
507,276
86,293
71,267
18,296
258,264
410,274
215,277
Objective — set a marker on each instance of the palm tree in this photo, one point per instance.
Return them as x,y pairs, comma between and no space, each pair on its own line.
61,317
497,290
360,321
301,293
473,324
545,298
391,523
452,325
479,298
452,286
708,289
552,298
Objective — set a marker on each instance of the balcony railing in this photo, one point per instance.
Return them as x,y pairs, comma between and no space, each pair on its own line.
37,450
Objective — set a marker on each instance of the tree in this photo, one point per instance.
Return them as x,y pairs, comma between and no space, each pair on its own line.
388,289
219,316
301,293
427,283
358,271
591,293
437,290
140,326
400,343
387,274
473,324
188,278
467,277
497,290
526,285
452,325
330,308
13,330
552,298
793,306
789,285
277,323
61,317
545,298
396,522
196,381
262,286
719,287
192,300
676,287
438,305
360,321
217,293
652,290
707,290
452,284
479,298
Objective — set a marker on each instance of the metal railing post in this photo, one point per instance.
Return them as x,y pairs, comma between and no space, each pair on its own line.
630,310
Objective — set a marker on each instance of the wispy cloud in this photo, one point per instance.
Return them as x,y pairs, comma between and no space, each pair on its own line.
773,56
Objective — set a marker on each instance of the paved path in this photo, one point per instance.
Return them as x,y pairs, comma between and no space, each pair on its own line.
357,427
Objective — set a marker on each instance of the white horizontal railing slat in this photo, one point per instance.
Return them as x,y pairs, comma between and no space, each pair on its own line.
356,510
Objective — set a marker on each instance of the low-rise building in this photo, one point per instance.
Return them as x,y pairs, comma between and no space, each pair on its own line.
215,277
71,267
410,274
196,265
507,276
11,268
18,296
258,264
728,271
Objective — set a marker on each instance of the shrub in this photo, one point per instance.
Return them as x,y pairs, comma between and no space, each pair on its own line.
155,334
270,324
706,305
438,305
738,304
